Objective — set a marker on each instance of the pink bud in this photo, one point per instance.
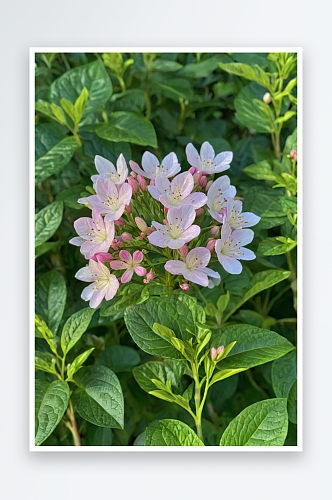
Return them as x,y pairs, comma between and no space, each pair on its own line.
192,170
133,174
140,238
142,234
199,211
133,184
141,224
150,230
152,182
102,257
128,209
126,237
210,246
293,154
183,251
213,353
115,246
220,349
150,276
142,183
203,181
120,244
207,187
214,230
146,281
165,222
166,210
185,287
120,222
197,177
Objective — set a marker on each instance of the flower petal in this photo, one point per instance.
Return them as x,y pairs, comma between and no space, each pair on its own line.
170,165
112,287
247,254
105,188
196,200
86,274
196,276
137,257
159,239
88,291
117,264
223,159
104,166
201,254
97,297
183,184
190,233
242,236
230,265
207,151
175,266
140,271
150,163
154,191
127,275
250,219
136,168
77,241
125,255
122,168
193,156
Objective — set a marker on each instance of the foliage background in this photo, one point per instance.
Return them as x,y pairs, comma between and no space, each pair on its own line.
160,102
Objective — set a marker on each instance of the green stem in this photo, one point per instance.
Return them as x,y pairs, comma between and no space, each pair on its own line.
277,297
198,418
200,294
72,426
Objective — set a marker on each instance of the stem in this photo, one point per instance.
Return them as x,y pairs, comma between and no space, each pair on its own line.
73,424
122,83
277,297
255,385
200,294
198,418
63,367
169,283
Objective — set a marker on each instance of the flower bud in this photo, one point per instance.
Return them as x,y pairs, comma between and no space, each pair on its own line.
211,245
207,187
120,222
133,174
126,237
220,351
267,98
102,257
142,183
133,184
197,177
213,353
293,154
150,230
192,170
114,245
166,210
185,287
140,237
199,211
152,182
183,251
146,281
150,276
128,209
214,231
203,181
141,224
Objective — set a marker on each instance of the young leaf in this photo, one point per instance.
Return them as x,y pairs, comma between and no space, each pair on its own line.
45,361
171,433
74,328
53,404
273,246
99,398
262,424
55,159
169,370
77,363
47,222
50,299
119,358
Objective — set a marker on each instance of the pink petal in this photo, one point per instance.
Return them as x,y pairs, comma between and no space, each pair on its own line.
159,239
102,257
117,264
137,257
136,168
197,277
202,255
125,255
127,275
192,156
97,297
140,271
175,266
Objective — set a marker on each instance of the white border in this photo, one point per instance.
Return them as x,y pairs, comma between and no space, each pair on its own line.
32,447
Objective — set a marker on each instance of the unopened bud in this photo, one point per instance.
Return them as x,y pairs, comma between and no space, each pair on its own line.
214,230
133,184
152,182
192,170
203,181
213,353
150,230
183,251
141,224
142,183
197,177
140,238
126,237
133,174
185,287
207,187
102,257
211,246
120,222
199,211
128,209
267,98
150,276
220,351
293,154
115,246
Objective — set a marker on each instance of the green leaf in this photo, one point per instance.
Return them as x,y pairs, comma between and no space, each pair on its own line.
44,248
222,374
74,328
173,88
261,171
262,424
291,143
98,436
275,246
248,72
47,222
50,300
254,346
128,296
284,381
204,68
171,433
45,361
99,399
119,358
159,370
78,362
41,387
248,111
70,85
52,404
55,159
94,145
127,126
165,65
47,135
178,313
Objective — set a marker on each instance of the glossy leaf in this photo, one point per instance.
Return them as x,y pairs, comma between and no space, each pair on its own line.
47,222
55,159
171,433
74,328
50,300
159,370
119,358
78,362
248,112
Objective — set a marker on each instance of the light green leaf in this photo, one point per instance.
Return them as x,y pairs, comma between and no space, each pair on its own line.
273,246
99,398
74,328
127,126
93,76
52,404
261,171
55,159
246,71
262,424
171,433
173,88
119,358
47,222
78,362
248,112
159,370
45,361
222,374
50,298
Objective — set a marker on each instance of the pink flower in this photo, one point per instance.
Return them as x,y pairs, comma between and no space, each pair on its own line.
207,187
152,168
109,199
102,257
194,268
150,276
178,230
104,284
95,235
185,287
207,162
126,237
130,263
107,170
178,192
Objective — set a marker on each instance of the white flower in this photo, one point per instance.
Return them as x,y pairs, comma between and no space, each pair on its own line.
178,192
207,162
218,195
194,268
235,218
104,284
107,170
177,231
230,247
152,168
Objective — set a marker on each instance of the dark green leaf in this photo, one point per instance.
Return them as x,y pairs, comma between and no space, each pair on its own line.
55,159
51,294
248,112
47,222
119,358
74,328
171,433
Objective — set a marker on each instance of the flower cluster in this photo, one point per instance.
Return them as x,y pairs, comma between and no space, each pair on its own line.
161,224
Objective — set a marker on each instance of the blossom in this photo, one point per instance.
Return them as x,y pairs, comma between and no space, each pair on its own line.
194,268
207,162
218,195
230,248
235,218
95,235
178,230
109,199
178,192
130,263
106,170
152,168
104,284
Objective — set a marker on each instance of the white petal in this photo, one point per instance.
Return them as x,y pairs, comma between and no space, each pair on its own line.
193,156
104,166
223,159
150,163
230,265
207,151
